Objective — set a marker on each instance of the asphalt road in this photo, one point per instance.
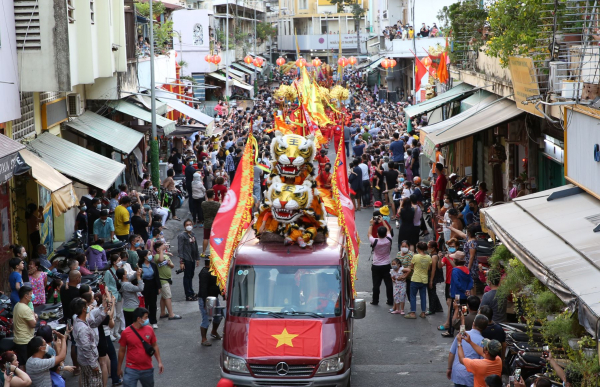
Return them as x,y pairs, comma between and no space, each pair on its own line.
388,349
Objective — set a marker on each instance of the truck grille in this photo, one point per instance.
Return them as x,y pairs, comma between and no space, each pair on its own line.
270,370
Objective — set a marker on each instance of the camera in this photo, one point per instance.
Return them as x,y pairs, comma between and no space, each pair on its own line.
178,271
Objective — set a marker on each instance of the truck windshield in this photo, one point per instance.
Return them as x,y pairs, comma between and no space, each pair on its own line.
283,291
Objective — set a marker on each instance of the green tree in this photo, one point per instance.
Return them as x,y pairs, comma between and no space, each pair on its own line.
158,8
465,21
265,31
163,32
357,12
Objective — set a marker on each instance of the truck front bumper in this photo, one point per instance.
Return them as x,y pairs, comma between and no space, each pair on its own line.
317,381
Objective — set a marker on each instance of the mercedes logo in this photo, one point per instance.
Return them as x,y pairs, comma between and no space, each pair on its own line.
282,368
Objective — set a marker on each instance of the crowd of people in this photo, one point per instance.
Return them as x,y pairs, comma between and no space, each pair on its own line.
407,32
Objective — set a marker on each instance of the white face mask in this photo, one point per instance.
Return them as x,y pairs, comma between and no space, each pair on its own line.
189,228
446,205
404,250
24,255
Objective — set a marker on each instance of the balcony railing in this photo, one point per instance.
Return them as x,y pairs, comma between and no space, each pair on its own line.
250,4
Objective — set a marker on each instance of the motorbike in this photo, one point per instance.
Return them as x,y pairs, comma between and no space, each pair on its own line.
180,185
71,248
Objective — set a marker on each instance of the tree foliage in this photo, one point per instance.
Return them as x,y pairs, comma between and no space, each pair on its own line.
265,31
465,21
158,8
356,10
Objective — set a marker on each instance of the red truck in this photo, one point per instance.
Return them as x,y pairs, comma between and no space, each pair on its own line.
289,314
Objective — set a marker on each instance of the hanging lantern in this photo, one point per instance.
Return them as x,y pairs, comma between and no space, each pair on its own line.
352,60
280,61
393,63
426,61
343,62
208,58
301,62
248,59
216,59
386,63
260,61
316,62
256,62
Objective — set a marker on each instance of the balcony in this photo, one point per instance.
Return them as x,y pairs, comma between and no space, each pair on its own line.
321,42
251,5
399,48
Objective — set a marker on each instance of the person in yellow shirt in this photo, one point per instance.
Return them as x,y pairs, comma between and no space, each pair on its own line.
122,220
411,32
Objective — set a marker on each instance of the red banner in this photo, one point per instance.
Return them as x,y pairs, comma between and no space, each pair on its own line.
234,215
284,338
345,210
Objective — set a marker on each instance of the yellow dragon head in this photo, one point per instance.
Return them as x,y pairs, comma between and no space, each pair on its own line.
292,153
287,201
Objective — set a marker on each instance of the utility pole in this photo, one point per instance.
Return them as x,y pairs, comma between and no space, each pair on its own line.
154,171
227,54
255,55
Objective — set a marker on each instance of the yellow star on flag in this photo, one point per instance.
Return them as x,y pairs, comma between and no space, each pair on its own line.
284,338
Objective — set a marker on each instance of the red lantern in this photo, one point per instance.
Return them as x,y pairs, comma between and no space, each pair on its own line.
261,61
343,62
208,58
352,61
280,61
248,59
256,62
393,63
316,62
426,61
216,59
301,62
386,63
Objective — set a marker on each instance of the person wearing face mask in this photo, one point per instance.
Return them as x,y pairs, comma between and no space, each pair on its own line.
189,258
152,286
38,279
113,284
84,324
81,221
38,366
15,278
24,321
135,243
122,219
448,262
104,227
138,364
189,178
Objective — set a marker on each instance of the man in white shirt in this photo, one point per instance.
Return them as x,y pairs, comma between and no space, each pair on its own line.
366,183
381,267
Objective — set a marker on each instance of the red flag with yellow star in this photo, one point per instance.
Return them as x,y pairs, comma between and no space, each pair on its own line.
284,337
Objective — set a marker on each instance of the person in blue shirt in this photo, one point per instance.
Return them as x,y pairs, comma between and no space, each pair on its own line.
104,227
359,148
15,278
456,371
397,149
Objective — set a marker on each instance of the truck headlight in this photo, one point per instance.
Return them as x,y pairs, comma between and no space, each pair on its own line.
235,364
331,365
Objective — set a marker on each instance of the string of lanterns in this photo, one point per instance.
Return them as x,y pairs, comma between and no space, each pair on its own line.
216,59
258,62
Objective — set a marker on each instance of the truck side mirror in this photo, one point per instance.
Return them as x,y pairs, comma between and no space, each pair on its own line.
360,308
210,304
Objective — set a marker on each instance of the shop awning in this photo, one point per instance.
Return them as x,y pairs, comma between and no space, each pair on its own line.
243,85
136,111
161,108
120,137
243,68
475,99
239,73
63,195
170,99
8,155
374,65
483,116
216,76
368,63
77,162
453,94
552,233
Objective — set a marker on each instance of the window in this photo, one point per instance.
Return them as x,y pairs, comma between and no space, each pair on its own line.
302,4
27,25
71,10
92,13
24,126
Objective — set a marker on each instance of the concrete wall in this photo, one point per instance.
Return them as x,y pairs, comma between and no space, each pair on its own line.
582,136
164,70
188,49
487,71
48,69
9,75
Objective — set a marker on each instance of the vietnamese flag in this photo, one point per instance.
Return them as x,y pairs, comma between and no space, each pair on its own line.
345,209
284,338
234,215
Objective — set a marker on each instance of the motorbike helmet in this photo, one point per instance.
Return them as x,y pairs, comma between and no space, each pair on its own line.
417,180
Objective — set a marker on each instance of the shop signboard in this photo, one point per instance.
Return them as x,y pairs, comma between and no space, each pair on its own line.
524,83
7,164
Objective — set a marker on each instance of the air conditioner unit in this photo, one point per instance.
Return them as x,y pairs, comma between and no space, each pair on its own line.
190,6
74,106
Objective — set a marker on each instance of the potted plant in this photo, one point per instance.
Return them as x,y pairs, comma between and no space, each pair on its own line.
588,346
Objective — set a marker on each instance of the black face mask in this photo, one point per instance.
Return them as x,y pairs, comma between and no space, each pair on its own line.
327,169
